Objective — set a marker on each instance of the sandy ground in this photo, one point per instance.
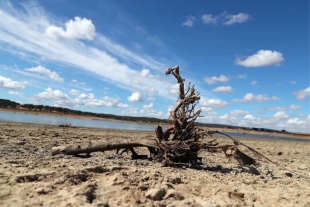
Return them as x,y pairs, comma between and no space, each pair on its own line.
30,176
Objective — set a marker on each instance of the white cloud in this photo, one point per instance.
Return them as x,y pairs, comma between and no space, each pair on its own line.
173,89
233,115
16,94
262,58
297,124
51,74
214,79
74,92
294,107
279,120
109,101
61,99
303,93
121,105
273,122
58,97
145,72
281,115
225,18
189,22
254,83
79,28
249,97
10,84
224,89
208,19
236,18
209,111
148,107
135,97
151,92
293,82
216,103
147,111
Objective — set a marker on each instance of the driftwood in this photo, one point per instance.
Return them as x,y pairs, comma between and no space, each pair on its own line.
108,146
180,142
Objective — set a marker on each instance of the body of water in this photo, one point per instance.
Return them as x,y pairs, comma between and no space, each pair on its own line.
57,120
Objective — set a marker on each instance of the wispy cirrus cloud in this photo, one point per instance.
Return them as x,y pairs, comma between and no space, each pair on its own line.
21,29
225,18
42,70
15,93
236,18
189,22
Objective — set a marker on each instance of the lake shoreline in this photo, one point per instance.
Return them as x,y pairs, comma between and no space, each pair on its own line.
240,131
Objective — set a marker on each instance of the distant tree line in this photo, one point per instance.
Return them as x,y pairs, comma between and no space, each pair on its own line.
4,103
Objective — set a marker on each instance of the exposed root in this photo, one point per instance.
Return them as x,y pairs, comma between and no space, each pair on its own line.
181,141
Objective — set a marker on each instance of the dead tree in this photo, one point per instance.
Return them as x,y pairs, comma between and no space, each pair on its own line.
181,141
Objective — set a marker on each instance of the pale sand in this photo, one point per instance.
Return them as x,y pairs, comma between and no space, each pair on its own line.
30,176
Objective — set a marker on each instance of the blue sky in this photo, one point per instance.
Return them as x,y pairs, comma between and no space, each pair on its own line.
248,59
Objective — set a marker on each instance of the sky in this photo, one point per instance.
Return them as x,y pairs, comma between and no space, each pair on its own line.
249,60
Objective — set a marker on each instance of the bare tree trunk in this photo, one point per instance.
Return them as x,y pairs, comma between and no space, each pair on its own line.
105,146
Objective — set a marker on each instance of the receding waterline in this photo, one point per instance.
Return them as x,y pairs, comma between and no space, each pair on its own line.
57,120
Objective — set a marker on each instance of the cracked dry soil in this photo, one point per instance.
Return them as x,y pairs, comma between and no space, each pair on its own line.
31,176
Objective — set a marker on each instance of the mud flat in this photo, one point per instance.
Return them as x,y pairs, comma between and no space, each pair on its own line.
31,176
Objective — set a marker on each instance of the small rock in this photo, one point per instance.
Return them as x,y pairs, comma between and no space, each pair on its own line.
156,194
142,186
236,195
60,180
174,180
253,170
101,204
20,143
171,193
288,174
42,191
280,153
